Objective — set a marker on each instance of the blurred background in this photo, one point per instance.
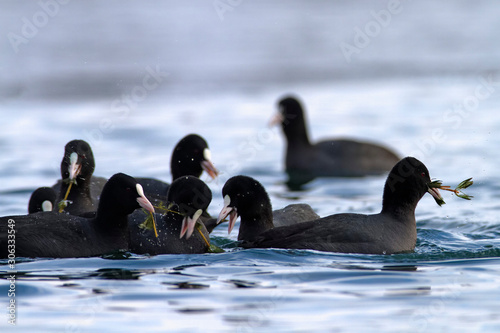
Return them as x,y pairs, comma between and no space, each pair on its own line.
88,50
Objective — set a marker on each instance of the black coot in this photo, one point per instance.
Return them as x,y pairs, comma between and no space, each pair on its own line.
43,199
393,230
188,198
59,235
246,197
331,158
190,157
77,167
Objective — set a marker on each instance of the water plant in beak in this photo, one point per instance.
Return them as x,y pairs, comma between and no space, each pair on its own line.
438,184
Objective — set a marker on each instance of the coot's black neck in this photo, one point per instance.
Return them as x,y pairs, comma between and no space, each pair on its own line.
110,215
254,224
295,129
400,201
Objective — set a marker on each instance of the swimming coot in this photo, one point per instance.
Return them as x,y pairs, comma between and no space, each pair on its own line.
331,158
59,235
246,197
43,199
188,198
393,230
77,168
190,157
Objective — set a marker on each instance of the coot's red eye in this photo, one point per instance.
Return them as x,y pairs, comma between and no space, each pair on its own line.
423,174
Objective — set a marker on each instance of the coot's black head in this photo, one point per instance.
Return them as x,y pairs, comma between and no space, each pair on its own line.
42,200
291,110
406,184
291,116
78,161
190,197
191,157
246,197
122,195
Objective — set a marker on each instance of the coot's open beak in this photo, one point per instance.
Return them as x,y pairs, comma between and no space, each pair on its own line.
436,195
208,166
227,210
188,224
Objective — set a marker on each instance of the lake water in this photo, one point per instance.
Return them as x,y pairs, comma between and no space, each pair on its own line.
133,78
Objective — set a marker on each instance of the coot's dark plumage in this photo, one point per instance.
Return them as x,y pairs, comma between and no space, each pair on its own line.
43,199
246,197
188,198
77,167
292,214
190,157
393,230
332,158
59,235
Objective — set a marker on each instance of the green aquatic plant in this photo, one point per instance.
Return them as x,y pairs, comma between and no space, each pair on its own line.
149,223
458,190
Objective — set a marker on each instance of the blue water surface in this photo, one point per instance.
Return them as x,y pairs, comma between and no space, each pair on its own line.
426,85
